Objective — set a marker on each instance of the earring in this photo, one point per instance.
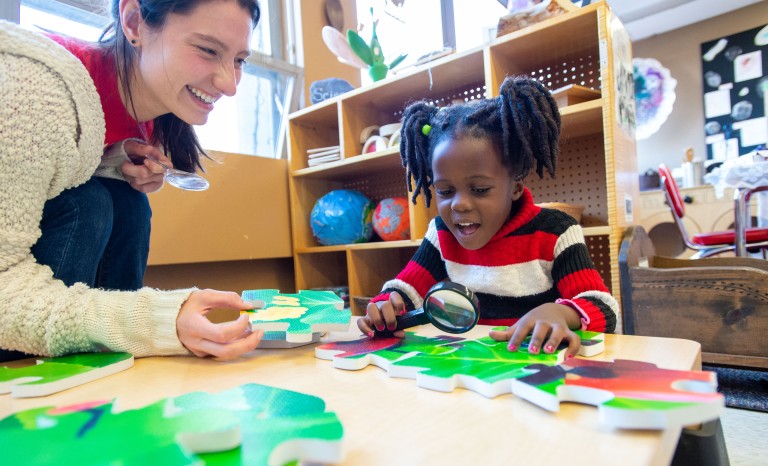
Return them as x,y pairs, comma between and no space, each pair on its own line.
133,41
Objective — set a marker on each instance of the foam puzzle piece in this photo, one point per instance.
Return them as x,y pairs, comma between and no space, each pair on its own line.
276,340
298,315
445,362
250,425
629,394
51,375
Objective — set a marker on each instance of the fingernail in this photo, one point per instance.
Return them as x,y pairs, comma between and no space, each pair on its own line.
381,328
370,333
512,347
533,349
402,311
549,348
569,356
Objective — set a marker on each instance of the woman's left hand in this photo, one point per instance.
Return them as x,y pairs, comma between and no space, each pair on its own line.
227,340
548,326
142,174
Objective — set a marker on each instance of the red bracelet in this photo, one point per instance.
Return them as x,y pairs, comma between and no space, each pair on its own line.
582,315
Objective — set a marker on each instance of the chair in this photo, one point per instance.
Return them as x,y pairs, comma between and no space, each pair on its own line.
705,244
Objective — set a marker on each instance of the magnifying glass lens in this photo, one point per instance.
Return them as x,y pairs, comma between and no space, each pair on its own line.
452,309
188,181
449,306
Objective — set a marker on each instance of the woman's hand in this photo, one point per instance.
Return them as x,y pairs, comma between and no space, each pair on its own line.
548,324
142,174
227,340
383,316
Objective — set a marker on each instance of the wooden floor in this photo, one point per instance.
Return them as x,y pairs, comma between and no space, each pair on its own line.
745,434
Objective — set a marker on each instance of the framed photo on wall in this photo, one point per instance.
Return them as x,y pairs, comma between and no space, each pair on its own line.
735,80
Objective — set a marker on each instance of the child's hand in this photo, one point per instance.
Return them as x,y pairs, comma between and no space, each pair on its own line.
383,316
548,325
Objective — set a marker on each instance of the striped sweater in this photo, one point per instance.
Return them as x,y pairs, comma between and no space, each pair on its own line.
537,257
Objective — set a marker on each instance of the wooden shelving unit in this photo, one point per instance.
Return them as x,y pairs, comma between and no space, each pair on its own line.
596,168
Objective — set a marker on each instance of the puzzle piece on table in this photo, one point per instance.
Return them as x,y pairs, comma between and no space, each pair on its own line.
298,315
251,424
628,394
276,340
51,375
444,362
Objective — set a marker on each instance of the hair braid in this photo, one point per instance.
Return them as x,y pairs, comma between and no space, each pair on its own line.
523,123
531,120
414,149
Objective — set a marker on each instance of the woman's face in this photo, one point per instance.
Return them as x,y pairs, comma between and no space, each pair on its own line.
474,190
191,62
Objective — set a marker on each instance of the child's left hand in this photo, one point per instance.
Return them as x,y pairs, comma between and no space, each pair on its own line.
548,325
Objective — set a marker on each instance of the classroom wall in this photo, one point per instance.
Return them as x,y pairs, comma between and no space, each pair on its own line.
233,236
680,52
319,62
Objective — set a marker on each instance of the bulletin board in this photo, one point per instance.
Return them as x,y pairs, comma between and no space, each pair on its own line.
735,76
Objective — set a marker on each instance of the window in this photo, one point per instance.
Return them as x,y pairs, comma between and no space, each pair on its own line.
424,27
251,122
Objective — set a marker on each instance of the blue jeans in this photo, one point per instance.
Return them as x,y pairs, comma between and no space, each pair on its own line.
98,234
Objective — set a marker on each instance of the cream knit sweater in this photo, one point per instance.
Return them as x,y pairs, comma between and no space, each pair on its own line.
51,139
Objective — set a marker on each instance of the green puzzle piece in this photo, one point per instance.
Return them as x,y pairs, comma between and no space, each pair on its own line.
51,375
298,315
251,424
628,394
444,362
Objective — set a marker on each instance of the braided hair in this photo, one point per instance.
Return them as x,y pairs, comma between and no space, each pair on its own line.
523,122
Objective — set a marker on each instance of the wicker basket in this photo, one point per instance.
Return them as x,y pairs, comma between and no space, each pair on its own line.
362,302
573,210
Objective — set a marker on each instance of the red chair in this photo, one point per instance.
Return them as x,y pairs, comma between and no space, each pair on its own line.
705,244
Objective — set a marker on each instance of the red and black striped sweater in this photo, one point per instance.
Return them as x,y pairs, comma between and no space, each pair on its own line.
537,257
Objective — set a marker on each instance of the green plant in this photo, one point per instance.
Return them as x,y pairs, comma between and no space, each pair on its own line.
371,53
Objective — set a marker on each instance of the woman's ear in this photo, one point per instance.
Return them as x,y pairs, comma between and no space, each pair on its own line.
518,189
130,19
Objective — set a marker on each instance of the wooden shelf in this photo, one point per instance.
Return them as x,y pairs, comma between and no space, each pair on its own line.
352,166
361,246
597,166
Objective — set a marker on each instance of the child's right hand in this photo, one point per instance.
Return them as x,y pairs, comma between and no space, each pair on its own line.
383,316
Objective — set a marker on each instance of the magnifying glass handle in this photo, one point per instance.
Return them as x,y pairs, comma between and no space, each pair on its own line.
412,319
407,320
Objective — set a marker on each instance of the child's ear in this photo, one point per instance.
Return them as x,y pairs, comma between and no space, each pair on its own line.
519,187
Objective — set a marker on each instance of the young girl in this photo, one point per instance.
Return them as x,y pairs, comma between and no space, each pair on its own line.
158,69
529,266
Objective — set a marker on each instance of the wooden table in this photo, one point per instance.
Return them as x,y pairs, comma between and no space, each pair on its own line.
392,421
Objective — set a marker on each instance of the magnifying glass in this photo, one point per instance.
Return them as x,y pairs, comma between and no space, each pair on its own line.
449,306
177,178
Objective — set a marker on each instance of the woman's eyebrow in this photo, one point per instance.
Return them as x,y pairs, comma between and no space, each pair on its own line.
214,41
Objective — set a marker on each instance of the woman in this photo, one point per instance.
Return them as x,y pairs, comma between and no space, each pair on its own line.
158,69
52,134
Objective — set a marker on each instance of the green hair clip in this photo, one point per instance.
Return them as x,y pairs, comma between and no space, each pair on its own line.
425,130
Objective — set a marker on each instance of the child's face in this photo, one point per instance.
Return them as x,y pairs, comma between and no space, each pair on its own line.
194,60
475,192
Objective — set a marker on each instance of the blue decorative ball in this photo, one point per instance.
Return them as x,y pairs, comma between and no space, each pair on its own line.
342,217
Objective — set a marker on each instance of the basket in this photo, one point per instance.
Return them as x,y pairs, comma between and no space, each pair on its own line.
362,302
573,210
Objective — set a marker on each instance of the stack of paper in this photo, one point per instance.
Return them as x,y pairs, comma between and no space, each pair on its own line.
323,155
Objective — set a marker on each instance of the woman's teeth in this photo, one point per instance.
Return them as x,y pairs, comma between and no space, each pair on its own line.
201,95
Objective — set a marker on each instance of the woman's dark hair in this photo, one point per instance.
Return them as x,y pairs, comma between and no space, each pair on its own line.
523,123
177,137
